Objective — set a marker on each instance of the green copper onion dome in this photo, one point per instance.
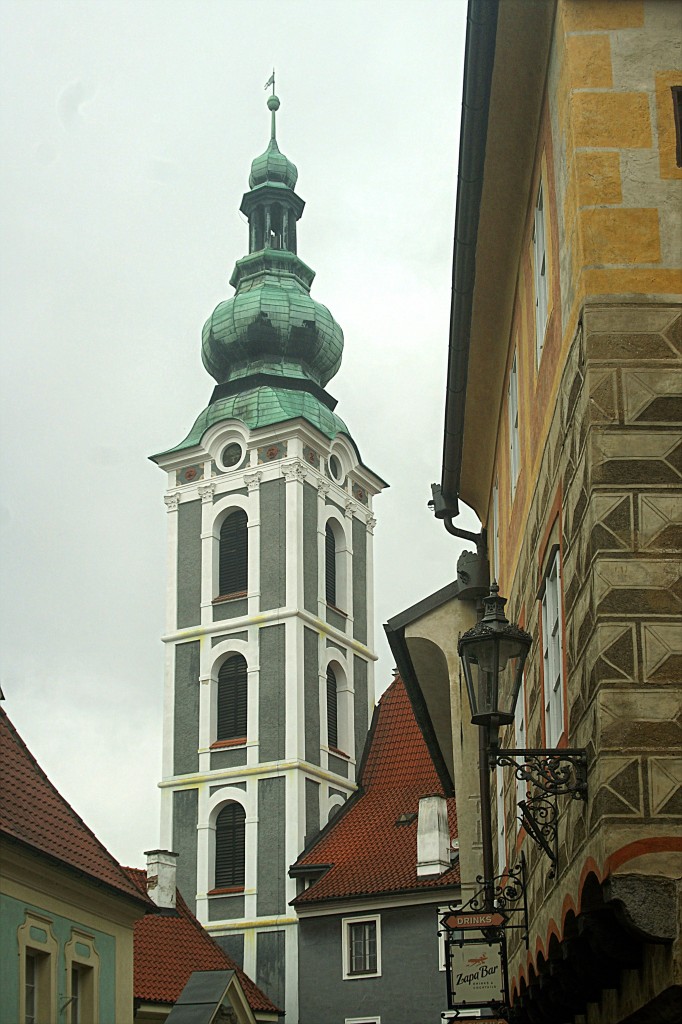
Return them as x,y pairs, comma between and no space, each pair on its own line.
272,166
271,347
272,325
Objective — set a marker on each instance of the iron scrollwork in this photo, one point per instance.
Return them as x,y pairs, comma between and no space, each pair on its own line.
505,894
553,772
539,816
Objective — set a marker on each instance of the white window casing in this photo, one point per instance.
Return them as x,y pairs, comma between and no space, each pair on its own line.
361,947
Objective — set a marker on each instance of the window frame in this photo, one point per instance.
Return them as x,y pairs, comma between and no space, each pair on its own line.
346,925
44,953
540,277
496,529
332,737
86,964
222,884
676,91
553,680
241,700
334,527
330,566
513,413
233,515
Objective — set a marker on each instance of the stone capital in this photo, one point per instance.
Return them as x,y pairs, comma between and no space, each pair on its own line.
252,480
323,487
171,502
206,492
371,523
295,470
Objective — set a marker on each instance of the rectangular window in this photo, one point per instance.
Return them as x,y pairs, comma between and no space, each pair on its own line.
75,993
496,531
31,1001
552,653
501,845
677,117
513,404
540,273
361,947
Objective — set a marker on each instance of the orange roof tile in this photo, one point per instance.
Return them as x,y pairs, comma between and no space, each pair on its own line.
34,813
168,947
368,851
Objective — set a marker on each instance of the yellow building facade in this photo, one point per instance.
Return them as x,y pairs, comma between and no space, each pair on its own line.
563,416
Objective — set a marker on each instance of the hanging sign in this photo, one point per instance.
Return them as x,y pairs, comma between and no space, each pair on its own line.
467,921
475,973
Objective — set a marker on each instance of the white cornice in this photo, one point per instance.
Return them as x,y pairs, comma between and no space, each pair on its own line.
362,904
241,622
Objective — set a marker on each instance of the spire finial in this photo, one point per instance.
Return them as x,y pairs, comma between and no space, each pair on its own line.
273,105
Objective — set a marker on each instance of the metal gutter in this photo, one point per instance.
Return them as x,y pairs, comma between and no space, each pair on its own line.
479,57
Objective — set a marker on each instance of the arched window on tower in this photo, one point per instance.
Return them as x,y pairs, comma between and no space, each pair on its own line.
230,836
332,709
330,565
232,699
233,561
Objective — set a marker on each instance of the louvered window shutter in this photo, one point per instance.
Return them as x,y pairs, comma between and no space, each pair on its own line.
232,694
229,847
233,569
330,564
332,705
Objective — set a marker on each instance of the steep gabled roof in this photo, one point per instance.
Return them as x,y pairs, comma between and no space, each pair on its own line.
35,814
369,852
169,947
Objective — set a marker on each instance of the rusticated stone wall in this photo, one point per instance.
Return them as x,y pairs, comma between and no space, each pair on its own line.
609,491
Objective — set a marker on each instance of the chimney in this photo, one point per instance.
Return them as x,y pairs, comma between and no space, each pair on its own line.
433,837
161,866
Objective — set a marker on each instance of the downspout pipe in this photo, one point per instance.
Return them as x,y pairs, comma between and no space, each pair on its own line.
478,69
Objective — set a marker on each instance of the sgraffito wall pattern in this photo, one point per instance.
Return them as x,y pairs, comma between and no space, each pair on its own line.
609,491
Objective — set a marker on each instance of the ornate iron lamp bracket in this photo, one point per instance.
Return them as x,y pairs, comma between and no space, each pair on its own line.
552,772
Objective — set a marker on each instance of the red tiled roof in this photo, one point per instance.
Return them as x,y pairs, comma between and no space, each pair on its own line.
34,813
370,854
167,948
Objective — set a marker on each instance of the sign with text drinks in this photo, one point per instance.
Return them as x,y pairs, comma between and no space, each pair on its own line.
475,973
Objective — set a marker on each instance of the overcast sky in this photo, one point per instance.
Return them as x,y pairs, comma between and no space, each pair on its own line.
128,128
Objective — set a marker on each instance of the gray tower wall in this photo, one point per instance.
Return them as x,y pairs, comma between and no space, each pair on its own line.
189,564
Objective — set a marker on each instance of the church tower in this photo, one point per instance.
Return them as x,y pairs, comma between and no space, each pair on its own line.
269,633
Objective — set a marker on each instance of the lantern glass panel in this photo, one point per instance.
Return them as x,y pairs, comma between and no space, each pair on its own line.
482,659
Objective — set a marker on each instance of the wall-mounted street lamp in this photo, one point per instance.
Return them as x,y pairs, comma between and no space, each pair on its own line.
493,655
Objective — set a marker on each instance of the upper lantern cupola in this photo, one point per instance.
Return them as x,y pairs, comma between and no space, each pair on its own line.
272,167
